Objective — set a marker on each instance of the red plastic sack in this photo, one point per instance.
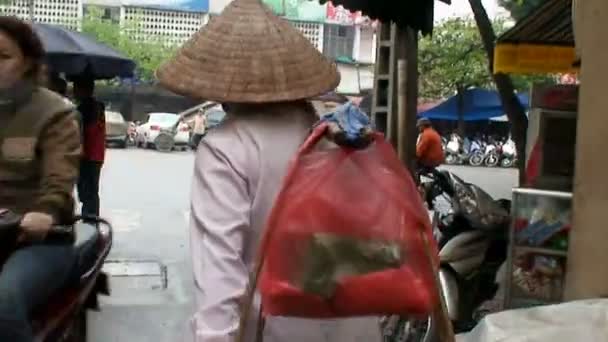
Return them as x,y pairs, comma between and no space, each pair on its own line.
347,198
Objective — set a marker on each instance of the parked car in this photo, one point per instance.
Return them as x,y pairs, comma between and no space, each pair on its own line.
148,132
116,129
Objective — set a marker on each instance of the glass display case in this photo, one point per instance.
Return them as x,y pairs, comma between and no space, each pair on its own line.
538,250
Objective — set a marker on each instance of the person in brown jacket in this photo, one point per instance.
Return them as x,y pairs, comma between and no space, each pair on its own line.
39,156
429,152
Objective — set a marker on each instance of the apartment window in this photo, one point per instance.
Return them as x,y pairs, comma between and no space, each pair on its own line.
312,31
107,14
339,41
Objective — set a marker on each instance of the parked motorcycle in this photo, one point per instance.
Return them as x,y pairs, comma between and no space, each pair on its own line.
477,153
459,151
492,154
509,154
471,230
453,153
132,135
63,318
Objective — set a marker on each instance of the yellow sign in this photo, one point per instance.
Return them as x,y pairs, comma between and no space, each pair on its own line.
534,59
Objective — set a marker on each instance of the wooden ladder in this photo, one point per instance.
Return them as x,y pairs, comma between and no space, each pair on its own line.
395,121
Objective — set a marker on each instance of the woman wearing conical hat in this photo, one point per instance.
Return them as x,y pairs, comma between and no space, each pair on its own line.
264,71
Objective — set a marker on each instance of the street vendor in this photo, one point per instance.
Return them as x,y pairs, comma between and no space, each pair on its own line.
264,71
39,155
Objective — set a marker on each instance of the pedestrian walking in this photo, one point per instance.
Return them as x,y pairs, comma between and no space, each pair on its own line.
200,128
94,145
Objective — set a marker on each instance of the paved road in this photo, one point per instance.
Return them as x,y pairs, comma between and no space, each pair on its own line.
145,194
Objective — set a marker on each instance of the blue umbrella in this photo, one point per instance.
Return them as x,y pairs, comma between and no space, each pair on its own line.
75,54
478,104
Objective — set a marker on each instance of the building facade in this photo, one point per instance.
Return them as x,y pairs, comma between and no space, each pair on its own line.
172,26
315,32
145,20
66,13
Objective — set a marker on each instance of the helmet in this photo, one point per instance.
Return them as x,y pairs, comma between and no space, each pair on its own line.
423,122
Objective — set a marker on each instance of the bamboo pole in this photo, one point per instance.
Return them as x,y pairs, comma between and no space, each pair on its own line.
402,109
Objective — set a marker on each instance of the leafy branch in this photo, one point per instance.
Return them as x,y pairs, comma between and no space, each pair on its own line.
127,38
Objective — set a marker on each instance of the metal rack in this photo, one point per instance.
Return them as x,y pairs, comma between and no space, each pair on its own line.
528,203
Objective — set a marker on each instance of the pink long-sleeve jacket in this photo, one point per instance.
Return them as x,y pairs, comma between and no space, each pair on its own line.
238,172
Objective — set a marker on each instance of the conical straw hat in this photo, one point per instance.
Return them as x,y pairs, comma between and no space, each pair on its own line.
249,55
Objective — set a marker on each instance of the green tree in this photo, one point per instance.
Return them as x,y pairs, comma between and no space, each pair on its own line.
460,54
452,59
504,83
148,53
520,8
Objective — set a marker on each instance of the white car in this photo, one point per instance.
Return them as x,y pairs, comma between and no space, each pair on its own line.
150,130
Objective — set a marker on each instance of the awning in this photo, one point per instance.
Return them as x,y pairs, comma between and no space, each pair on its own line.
477,105
542,42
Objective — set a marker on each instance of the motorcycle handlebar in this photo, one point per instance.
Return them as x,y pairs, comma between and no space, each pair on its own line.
12,221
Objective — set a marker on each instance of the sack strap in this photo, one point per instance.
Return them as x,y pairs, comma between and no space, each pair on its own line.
313,139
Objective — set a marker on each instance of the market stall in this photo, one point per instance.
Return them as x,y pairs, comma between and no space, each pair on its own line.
557,237
563,230
542,42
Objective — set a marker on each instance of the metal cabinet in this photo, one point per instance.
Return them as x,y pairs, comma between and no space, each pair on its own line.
538,249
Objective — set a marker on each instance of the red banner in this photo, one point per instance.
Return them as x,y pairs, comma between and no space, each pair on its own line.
340,15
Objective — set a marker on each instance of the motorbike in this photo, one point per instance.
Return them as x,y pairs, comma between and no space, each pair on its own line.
453,153
476,153
509,154
63,318
131,136
458,151
492,154
471,230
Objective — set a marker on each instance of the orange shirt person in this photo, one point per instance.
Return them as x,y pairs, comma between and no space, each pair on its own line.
429,151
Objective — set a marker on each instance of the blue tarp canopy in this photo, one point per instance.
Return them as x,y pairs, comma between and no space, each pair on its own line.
479,104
